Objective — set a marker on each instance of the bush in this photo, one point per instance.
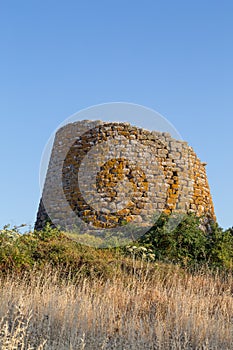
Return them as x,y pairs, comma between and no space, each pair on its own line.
219,247
20,252
191,242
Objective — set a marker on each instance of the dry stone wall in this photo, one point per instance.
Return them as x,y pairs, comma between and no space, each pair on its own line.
108,174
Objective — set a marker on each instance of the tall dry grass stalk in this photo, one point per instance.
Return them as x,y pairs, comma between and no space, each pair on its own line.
171,310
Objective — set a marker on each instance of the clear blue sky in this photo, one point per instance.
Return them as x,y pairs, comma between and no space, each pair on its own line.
58,57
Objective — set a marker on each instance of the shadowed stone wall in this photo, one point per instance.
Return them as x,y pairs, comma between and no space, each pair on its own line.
108,174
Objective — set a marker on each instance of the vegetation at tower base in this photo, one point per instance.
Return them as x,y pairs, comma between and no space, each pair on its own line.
187,245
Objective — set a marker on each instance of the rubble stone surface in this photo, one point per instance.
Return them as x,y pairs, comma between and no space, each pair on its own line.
109,173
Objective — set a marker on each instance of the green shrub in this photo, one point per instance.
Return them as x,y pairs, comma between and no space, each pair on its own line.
20,252
191,242
219,246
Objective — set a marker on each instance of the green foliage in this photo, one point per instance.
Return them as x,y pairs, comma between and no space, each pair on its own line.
191,242
14,249
187,245
20,252
48,233
220,246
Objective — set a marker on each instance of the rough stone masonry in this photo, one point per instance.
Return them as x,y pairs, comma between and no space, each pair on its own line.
108,174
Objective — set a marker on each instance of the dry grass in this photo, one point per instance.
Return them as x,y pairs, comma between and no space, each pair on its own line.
171,310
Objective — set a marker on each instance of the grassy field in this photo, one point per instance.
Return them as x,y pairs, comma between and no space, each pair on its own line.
173,290
166,309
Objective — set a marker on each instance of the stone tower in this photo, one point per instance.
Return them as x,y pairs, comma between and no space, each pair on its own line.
108,174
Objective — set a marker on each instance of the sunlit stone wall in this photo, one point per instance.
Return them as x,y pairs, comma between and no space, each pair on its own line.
108,174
